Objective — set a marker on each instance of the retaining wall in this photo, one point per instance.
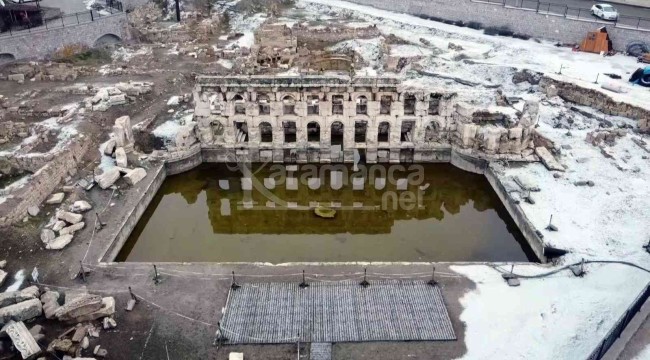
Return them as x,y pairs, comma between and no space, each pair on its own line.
598,100
43,182
518,216
135,213
41,42
551,27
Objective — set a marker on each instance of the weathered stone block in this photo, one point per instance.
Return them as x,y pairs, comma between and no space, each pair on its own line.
72,228
47,236
107,309
55,198
120,157
69,217
123,132
14,297
21,311
108,178
134,176
110,146
80,206
81,305
59,243
22,339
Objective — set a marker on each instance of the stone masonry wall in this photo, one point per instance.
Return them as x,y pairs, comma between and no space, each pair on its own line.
43,182
131,4
228,116
527,22
598,100
38,44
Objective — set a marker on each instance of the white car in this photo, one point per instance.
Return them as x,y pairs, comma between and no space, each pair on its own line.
604,11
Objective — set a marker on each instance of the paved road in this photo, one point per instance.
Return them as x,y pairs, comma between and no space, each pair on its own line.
631,16
587,4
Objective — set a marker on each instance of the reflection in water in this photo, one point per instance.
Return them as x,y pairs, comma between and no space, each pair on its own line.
456,217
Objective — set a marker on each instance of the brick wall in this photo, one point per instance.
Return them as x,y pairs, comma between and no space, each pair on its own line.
43,182
38,44
527,22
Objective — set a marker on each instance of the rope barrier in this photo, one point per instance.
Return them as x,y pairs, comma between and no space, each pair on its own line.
566,267
173,312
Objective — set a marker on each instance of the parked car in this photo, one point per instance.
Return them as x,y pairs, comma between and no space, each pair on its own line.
604,11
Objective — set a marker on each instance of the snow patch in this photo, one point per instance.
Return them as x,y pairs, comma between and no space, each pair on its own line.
557,317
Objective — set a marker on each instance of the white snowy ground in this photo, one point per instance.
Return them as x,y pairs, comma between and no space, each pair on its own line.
561,316
492,58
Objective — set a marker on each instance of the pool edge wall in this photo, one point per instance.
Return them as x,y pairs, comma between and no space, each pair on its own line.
196,157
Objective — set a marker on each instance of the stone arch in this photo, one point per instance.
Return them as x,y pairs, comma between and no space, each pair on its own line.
336,133
233,96
383,132
313,131
266,132
288,105
264,104
6,58
409,103
362,105
434,104
432,132
217,130
107,39
240,104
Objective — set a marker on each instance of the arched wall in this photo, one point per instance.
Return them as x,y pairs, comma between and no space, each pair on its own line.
41,42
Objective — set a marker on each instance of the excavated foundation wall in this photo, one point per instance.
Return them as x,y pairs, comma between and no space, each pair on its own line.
44,180
597,100
151,185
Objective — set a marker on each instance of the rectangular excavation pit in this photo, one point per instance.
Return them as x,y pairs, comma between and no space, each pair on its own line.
446,215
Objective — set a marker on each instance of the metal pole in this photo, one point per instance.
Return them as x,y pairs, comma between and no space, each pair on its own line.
156,280
298,343
433,282
133,295
303,284
92,18
234,285
365,282
83,273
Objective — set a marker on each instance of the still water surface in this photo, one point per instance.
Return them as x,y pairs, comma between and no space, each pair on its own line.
456,217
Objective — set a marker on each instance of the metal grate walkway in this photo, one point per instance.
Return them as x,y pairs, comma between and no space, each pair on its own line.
336,312
320,351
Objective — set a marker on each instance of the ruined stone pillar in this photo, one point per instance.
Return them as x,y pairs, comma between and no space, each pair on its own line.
123,132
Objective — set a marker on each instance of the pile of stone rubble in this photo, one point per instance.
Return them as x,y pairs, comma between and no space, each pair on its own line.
118,147
119,94
74,307
60,231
